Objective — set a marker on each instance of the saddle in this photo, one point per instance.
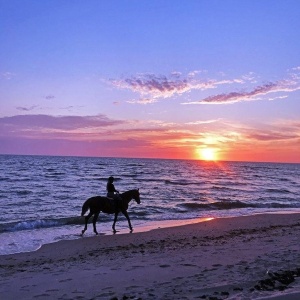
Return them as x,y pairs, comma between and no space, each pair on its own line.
115,201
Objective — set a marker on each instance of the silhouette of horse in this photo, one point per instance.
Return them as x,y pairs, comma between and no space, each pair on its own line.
107,205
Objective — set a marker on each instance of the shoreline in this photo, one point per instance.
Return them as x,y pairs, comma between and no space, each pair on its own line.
226,258
104,228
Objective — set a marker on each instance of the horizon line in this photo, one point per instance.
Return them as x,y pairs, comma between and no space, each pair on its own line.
152,158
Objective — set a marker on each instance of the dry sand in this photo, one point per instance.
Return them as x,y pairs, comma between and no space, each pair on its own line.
252,257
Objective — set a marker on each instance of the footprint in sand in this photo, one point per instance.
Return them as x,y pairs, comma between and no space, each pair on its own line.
41,296
135,267
188,265
64,280
164,266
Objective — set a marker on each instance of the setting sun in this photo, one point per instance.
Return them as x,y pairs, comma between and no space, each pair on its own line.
208,154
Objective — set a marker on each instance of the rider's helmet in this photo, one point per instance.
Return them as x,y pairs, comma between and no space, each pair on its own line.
111,179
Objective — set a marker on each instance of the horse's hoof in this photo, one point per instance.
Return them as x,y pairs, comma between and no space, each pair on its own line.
114,231
96,233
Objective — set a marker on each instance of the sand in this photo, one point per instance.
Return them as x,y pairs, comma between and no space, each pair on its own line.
253,257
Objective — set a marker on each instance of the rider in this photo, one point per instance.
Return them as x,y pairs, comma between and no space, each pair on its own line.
112,192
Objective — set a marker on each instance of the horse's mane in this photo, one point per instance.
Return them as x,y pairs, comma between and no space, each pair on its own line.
129,192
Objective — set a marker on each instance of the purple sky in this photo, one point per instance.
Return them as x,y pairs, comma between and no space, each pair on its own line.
162,79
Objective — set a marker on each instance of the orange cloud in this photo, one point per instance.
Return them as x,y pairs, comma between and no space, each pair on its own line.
101,136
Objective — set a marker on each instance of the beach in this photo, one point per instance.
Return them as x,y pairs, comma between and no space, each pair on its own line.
251,257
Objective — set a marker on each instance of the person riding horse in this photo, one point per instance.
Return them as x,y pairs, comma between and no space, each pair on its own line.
112,192
97,204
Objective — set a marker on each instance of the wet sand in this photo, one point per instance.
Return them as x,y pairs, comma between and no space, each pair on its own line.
254,257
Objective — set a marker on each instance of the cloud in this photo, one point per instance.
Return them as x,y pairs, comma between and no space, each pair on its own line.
23,108
281,132
272,136
49,97
151,87
21,123
277,97
288,125
238,96
7,75
204,122
142,101
101,136
260,92
156,86
296,69
46,146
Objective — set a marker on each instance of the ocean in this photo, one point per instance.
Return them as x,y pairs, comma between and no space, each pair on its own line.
41,196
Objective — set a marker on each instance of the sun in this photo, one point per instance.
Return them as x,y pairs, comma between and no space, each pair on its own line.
208,154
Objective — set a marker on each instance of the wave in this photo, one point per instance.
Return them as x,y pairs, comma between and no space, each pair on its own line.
55,174
144,214
280,191
50,223
179,182
215,205
134,165
224,188
284,179
37,224
220,205
23,192
4,178
129,175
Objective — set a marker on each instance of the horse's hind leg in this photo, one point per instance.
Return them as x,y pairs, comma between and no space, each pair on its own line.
86,221
94,222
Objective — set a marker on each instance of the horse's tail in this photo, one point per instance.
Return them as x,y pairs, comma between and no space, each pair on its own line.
85,207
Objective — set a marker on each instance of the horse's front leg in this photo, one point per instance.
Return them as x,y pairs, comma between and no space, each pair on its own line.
127,217
94,222
86,221
115,220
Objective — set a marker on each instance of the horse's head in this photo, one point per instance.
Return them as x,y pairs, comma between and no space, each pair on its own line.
136,196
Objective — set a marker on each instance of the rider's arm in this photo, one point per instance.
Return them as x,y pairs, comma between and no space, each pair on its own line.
115,189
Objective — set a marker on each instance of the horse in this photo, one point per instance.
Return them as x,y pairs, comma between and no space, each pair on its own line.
109,206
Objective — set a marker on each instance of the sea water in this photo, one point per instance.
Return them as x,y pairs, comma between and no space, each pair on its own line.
41,196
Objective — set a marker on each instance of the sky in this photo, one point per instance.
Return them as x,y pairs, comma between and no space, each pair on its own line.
197,79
